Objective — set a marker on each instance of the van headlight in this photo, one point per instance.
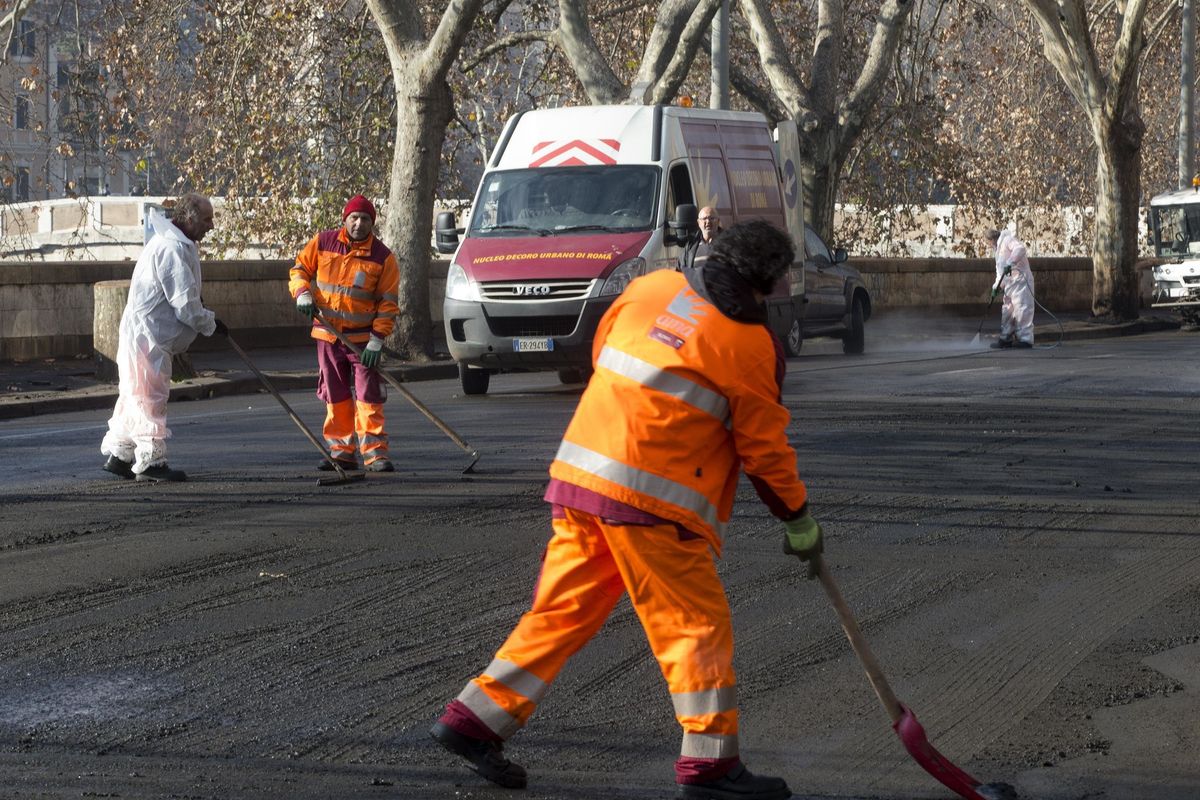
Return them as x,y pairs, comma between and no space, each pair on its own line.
622,275
459,286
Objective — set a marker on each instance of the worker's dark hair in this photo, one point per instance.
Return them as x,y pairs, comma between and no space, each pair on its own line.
187,209
992,235
756,250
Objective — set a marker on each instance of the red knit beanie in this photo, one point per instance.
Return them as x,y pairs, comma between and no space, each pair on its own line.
360,204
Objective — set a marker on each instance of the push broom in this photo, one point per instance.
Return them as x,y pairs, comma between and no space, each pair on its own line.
904,722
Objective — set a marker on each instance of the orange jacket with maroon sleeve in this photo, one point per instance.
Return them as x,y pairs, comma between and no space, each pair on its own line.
682,399
355,285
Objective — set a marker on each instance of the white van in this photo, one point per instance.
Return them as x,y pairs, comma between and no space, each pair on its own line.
576,202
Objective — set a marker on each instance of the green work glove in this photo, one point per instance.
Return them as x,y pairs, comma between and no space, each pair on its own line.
372,353
995,292
1007,268
802,538
305,305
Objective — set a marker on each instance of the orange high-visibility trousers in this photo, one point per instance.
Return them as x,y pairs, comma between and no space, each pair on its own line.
350,418
368,424
339,429
678,597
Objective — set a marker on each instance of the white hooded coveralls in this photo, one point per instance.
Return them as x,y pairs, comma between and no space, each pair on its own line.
161,318
1016,311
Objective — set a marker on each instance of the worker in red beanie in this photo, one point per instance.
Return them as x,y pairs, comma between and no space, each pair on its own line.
353,280
359,205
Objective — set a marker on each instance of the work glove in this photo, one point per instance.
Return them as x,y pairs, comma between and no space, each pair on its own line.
220,328
995,292
372,352
305,305
802,538
1007,268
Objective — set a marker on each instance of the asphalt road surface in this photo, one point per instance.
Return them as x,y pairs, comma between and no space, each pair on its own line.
1015,531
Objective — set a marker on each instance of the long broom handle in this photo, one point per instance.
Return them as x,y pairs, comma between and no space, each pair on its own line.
861,649
409,396
299,422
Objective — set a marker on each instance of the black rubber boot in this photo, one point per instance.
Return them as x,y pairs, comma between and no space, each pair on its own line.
161,473
1002,344
1022,345
116,466
738,784
381,465
346,464
487,758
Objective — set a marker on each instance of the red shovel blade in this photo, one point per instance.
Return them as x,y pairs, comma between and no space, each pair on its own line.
912,736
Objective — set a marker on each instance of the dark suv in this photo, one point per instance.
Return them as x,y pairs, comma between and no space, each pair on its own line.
836,301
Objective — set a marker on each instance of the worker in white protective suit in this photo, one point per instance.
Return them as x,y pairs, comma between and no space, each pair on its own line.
161,318
1015,279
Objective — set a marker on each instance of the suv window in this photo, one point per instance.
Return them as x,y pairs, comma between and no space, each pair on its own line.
816,249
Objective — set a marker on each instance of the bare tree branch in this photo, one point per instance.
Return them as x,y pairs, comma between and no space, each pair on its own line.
679,28
575,39
882,51
776,61
502,44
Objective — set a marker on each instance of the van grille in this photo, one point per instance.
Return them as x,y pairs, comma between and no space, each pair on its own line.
532,326
534,291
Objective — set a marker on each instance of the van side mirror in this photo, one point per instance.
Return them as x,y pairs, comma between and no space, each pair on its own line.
684,225
840,255
445,233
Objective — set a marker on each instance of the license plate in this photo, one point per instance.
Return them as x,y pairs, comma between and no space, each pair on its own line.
533,345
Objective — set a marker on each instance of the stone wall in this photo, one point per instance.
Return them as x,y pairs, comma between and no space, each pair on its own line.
46,309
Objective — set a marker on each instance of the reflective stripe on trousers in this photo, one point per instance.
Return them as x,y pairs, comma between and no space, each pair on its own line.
674,588
350,418
339,429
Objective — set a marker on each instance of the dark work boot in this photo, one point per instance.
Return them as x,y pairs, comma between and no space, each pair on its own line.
737,784
347,465
487,758
116,466
1002,344
161,473
381,465
1023,345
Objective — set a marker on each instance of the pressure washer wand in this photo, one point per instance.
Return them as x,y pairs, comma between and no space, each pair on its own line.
982,320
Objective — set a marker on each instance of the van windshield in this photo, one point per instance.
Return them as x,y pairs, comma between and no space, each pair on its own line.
1177,230
556,200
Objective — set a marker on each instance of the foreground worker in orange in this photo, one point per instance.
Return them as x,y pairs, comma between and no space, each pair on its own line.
685,395
352,279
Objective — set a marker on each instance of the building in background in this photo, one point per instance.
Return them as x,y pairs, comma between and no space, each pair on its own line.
52,140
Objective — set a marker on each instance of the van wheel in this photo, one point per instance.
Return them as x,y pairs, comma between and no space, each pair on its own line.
855,340
474,381
794,339
574,375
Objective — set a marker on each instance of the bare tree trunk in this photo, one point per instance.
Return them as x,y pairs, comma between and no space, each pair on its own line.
820,171
424,107
1115,245
419,135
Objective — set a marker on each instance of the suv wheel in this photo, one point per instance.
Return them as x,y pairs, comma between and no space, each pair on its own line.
794,339
474,381
569,375
855,340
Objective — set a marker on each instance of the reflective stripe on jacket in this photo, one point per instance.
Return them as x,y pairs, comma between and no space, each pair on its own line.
681,400
355,285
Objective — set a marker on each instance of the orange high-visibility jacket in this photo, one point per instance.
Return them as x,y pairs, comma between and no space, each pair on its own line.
356,285
682,399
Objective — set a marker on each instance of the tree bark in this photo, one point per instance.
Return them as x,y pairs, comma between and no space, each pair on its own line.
1115,244
829,124
424,107
1109,98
